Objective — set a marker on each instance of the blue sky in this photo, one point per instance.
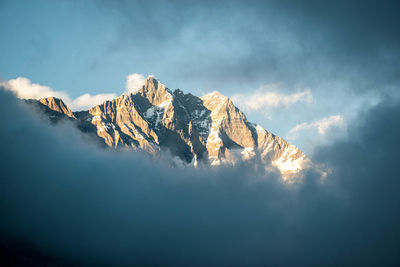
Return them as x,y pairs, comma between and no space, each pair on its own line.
245,50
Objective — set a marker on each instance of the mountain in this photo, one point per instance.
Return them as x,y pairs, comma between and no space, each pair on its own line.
54,108
206,130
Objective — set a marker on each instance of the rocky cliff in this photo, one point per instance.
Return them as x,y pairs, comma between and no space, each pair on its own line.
206,130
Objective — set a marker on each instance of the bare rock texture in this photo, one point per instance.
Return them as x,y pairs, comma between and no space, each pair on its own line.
208,131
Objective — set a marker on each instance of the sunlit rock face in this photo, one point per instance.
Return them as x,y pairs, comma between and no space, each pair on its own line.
57,105
52,108
208,130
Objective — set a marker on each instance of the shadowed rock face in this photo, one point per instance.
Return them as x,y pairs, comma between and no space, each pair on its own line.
209,130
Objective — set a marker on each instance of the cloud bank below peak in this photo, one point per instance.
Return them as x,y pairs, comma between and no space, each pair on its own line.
155,215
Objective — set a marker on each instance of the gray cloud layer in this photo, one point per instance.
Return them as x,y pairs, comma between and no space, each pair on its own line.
296,42
78,204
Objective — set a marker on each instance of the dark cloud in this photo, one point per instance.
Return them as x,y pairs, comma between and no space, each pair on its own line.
67,202
310,42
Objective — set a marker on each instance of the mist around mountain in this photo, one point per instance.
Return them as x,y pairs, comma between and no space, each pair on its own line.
65,202
196,131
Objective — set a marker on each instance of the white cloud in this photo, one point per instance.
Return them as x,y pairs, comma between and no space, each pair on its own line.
268,97
133,82
87,101
322,126
23,88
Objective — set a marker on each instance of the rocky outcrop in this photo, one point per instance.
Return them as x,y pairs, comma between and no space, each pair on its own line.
57,105
209,130
53,108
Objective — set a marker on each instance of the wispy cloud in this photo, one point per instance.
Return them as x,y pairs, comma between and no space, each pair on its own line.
87,101
322,126
133,82
268,97
23,88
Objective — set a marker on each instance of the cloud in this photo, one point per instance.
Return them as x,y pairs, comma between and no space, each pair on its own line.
133,82
269,97
303,42
23,88
71,203
87,101
322,126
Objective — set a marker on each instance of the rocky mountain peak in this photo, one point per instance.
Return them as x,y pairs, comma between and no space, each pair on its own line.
154,91
57,105
217,102
215,94
209,130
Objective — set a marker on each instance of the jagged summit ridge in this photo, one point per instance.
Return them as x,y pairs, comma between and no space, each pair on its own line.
208,130
57,105
154,91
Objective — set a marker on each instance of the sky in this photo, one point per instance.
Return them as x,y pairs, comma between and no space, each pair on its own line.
323,75
343,56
